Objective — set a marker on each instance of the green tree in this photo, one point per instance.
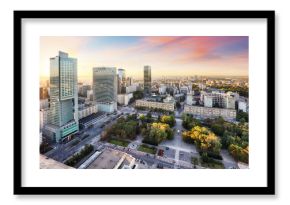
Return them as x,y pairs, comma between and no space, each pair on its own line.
205,140
168,119
156,133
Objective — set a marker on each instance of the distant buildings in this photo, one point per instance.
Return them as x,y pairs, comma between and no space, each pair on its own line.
63,113
184,89
129,81
83,90
169,99
44,104
243,104
158,105
147,80
190,99
162,89
218,99
105,88
131,88
121,81
208,112
43,93
43,117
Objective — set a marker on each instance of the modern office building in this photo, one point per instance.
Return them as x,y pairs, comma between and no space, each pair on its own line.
63,113
105,87
121,81
43,93
147,80
129,81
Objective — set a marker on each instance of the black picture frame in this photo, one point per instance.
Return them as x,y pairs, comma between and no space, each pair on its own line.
268,190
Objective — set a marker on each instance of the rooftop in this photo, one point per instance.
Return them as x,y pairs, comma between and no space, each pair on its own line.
111,159
48,163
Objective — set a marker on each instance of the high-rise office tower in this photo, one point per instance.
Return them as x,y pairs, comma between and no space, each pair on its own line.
147,80
105,88
129,81
121,80
43,93
63,114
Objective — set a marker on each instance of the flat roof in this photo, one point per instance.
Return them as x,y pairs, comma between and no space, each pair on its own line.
109,158
48,163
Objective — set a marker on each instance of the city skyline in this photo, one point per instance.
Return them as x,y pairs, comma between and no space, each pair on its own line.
189,55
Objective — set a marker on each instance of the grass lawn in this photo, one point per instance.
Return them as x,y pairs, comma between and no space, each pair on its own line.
119,142
147,149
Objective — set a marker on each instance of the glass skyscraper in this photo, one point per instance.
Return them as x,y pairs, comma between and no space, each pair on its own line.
105,86
63,115
121,81
147,80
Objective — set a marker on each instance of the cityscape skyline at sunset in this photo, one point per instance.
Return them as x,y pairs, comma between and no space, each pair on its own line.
168,55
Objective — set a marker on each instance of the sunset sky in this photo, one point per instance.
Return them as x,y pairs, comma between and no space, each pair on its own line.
167,55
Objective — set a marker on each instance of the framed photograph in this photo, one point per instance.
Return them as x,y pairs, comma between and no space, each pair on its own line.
144,102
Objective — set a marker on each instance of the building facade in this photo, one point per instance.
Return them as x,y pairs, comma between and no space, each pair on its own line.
121,80
124,99
131,88
220,100
158,105
63,113
243,104
87,110
105,86
43,117
147,80
43,93
207,112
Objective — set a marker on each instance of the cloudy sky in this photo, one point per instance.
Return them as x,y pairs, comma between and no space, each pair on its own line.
167,55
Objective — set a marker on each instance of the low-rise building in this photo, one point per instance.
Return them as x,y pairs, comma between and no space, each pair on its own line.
90,95
124,99
108,107
158,105
91,119
87,110
113,159
207,112
243,104
131,88
162,89
169,99
48,163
